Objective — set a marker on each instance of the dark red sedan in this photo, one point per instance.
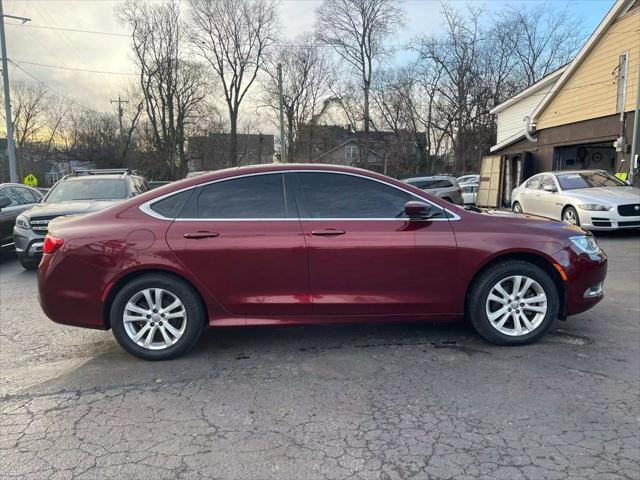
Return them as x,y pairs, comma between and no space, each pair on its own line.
302,244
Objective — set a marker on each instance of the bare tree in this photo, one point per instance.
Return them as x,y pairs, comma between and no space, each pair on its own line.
306,87
542,38
234,38
356,30
171,85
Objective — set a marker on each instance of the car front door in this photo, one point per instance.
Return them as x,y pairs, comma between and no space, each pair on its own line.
548,202
527,197
242,239
365,257
20,201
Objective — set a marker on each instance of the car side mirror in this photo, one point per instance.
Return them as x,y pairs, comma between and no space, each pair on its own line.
416,210
549,188
4,202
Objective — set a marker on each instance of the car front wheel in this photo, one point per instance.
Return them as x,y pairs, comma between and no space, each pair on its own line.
513,303
570,216
157,317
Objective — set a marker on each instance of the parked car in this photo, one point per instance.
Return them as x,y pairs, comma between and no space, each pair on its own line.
469,193
302,244
81,192
15,198
467,179
592,199
441,186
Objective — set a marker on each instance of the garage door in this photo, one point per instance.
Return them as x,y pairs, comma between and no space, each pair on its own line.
489,187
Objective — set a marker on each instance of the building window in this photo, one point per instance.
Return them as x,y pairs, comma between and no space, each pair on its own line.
351,152
623,67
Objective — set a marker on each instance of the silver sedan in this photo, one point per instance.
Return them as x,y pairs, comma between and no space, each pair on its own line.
592,199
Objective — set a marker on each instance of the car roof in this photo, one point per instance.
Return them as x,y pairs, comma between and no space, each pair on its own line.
9,184
430,177
110,176
562,172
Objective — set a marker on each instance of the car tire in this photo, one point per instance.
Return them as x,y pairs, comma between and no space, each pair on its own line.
131,301
538,312
517,208
570,216
28,263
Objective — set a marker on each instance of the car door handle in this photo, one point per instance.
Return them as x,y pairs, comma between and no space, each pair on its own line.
200,235
327,232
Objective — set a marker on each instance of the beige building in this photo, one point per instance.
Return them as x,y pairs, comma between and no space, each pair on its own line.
581,116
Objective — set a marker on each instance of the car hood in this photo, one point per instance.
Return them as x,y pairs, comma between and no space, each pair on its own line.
611,195
524,222
69,208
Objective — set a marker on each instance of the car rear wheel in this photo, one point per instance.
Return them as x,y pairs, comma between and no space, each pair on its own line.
570,216
157,317
513,303
517,208
28,263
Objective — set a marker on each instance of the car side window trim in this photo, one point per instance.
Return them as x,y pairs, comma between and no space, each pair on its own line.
145,207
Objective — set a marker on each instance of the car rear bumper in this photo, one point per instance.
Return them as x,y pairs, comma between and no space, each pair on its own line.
69,291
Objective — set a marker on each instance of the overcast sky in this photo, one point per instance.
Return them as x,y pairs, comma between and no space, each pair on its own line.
111,53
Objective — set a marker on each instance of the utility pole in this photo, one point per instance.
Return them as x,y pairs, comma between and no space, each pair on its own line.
11,148
119,101
283,149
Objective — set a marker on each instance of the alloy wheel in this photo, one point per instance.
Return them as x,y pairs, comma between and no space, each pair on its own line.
516,305
154,318
517,208
570,217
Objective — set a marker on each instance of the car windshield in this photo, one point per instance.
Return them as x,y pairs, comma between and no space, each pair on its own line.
574,181
88,189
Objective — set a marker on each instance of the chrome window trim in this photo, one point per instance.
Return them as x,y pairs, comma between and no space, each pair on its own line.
146,207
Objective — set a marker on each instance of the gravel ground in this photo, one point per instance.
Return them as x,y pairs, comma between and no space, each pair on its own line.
363,402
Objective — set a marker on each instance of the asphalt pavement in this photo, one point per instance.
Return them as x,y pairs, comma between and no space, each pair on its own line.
404,401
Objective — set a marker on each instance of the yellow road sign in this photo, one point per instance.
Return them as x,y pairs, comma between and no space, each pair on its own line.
30,180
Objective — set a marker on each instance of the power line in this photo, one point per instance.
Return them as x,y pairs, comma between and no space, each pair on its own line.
76,30
49,87
74,69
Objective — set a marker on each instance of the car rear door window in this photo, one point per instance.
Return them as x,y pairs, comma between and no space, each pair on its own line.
331,195
170,207
250,197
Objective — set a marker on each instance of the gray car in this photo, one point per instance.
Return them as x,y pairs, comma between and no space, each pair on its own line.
76,194
442,186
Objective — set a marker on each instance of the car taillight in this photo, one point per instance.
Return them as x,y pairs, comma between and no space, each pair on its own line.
51,244
461,191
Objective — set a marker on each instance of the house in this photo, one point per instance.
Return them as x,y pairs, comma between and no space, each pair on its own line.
580,116
392,153
211,152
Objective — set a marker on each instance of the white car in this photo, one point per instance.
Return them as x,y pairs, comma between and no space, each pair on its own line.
469,193
468,179
592,199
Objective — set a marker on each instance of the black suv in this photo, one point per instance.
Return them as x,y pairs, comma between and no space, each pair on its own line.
81,192
15,198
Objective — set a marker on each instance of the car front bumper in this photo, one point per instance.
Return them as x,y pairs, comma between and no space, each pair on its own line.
28,243
583,275
607,220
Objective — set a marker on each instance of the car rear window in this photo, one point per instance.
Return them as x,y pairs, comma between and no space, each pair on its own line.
170,207
88,189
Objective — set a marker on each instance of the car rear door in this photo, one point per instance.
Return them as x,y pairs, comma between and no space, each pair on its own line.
365,258
242,239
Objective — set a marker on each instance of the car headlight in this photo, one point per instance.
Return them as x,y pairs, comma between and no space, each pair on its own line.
23,222
594,206
586,243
